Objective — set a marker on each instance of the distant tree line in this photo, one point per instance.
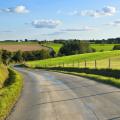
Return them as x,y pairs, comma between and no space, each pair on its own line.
12,57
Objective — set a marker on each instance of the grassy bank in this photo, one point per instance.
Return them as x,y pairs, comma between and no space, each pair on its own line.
10,93
3,74
68,60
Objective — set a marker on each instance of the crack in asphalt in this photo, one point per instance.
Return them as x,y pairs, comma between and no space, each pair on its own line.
88,96
68,89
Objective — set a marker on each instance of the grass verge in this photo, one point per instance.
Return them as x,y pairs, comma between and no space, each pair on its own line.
99,75
3,74
10,93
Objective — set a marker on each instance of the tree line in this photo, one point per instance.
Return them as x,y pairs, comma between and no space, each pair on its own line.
7,57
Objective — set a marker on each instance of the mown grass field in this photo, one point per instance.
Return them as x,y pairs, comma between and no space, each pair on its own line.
103,47
102,59
55,46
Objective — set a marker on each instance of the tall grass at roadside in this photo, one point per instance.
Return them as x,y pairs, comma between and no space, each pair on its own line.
3,74
10,93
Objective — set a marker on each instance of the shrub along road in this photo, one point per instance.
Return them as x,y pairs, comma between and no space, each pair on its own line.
56,96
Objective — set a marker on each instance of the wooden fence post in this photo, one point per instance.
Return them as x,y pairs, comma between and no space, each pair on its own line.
73,63
78,63
109,63
85,63
95,64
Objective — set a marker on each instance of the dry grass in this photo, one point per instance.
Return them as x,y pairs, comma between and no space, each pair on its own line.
21,47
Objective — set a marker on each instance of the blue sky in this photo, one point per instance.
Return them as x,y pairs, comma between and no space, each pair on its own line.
59,19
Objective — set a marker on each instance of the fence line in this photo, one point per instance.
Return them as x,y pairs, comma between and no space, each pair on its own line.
104,63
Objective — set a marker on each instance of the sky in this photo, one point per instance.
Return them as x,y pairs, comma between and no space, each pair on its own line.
59,19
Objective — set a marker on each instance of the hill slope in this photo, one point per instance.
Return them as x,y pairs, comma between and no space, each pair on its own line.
75,58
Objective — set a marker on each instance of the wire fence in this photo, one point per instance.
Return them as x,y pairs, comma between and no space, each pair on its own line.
111,63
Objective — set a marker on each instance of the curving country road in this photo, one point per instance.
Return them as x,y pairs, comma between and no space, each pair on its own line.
56,96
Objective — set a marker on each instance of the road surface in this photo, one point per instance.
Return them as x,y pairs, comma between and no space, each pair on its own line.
56,96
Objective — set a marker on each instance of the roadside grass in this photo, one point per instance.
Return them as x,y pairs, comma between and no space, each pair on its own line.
10,93
79,60
107,76
3,74
55,46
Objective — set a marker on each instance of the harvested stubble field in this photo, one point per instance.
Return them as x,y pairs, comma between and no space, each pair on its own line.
22,47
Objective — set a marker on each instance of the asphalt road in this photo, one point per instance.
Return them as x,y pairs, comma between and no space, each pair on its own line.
56,96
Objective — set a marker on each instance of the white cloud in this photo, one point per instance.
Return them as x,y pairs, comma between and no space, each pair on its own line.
54,33
106,11
75,12
46,23
6,31
79,29
114,23
18,9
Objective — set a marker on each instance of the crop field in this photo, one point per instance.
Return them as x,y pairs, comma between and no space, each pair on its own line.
82,60
55,46
17,43
22,47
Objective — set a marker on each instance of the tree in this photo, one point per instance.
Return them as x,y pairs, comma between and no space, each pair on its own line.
74,47
116,47
6,57
18,56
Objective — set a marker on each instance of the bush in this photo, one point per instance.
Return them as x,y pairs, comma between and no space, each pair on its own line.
74,47
10,93
116,47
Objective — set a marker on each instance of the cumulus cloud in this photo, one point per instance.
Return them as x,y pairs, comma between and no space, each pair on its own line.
106,11
79,29
46,23
18,9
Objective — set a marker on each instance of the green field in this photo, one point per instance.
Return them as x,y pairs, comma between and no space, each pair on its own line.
55,46
97,47
79,60
102,47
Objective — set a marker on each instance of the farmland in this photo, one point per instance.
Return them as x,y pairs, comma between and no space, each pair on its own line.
22,47
55,46
68,61
102,47
97,47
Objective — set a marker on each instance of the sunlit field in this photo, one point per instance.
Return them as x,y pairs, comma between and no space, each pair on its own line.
108,59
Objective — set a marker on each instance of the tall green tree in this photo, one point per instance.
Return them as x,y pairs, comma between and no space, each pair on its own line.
18,56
